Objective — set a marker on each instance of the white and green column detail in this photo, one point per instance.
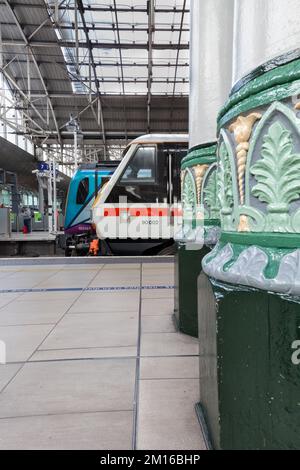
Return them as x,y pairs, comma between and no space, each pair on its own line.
200,231
200,203
258,181
254,270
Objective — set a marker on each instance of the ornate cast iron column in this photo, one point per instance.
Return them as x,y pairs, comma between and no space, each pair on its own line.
200,230
210,81
254,269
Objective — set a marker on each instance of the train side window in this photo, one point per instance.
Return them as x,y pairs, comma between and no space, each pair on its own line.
141,168
82,191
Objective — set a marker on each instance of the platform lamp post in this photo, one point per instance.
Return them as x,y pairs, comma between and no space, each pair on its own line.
75,148
253,285
50,191
54,194
44,178
73,126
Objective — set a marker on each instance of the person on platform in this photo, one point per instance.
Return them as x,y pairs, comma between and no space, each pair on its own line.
26,212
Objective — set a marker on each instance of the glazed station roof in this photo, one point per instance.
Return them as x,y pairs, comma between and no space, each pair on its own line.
116,68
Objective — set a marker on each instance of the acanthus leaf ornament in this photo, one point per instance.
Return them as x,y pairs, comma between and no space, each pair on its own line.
224,187
189,193
196,169
260,228
210,196
277,175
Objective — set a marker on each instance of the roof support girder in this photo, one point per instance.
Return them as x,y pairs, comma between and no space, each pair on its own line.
151,29
99,118
11,9
95,45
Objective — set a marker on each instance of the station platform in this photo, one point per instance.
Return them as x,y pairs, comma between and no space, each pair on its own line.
93,359
30,244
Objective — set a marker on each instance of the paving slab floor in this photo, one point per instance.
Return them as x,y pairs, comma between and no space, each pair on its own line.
93,359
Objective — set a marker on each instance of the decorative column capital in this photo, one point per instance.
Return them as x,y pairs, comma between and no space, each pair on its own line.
199,194
258,184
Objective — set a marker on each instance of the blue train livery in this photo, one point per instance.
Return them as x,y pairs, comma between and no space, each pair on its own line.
84,187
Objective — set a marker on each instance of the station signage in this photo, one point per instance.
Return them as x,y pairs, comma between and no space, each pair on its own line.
43,166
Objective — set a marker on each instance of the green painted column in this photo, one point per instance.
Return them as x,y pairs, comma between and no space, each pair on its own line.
199,232
254,270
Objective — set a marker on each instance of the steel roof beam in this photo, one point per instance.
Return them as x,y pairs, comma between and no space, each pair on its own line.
151,29
94,27
19,108
121,66
81,10
176,67
113,80
97,8
101,64
82,111
95,45
16,87
136,120
24,37
37,29
94,134
89,92
75,96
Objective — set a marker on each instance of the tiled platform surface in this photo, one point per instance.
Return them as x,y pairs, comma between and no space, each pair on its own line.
94,360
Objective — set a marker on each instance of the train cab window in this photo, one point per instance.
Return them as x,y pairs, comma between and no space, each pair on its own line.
82,191
141,168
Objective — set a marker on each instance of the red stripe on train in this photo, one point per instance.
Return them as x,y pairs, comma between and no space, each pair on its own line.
142,212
